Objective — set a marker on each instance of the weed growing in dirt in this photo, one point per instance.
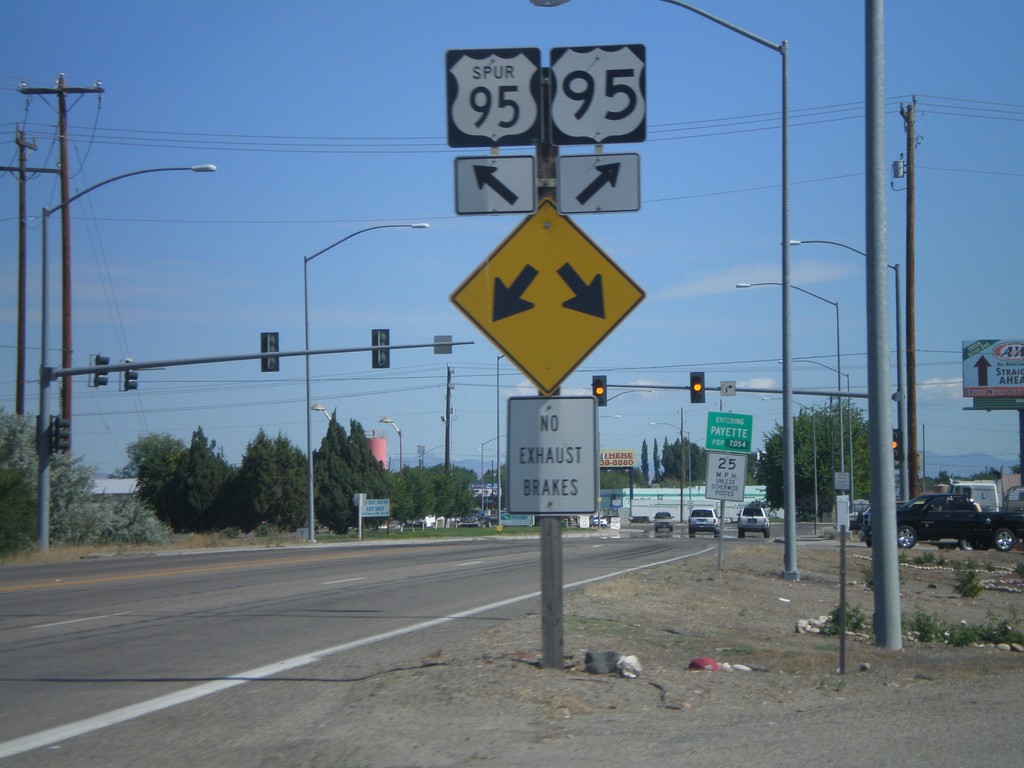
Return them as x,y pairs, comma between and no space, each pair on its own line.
930,629
967,582
929,558
856,620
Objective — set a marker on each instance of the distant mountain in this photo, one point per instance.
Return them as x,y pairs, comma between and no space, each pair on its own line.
966,464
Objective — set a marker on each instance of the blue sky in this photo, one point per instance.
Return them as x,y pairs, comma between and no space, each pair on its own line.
324,118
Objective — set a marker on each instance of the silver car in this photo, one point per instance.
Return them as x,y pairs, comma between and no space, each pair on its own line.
753,519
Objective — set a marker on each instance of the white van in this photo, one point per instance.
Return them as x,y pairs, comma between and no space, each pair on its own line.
984,492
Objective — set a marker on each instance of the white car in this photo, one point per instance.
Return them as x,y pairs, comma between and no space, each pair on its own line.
755,520
703,521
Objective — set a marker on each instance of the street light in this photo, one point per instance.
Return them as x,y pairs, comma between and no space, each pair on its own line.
322,408
839,362
389,420
682,462
789,473
305,309
45,371
901,361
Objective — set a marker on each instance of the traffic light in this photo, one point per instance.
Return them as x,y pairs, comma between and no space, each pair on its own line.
599,388
60,434
897,445
380,337
696,386
100,378
130,381
269,343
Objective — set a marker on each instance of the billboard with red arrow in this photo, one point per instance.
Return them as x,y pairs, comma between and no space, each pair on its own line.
993,368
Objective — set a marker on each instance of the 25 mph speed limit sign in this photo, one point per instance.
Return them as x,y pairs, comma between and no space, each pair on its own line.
599,95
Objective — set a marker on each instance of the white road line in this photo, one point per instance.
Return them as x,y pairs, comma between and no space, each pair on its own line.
64,732
345,581
471,562
77,621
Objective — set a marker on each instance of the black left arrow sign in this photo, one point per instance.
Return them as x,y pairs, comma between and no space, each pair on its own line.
508,300
606,174
589,299
486,176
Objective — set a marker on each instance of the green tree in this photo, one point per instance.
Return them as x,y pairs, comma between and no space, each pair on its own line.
270,485
200,481
153,461
17,513
812,429
452,493
413,495
656,476
645,462
75,516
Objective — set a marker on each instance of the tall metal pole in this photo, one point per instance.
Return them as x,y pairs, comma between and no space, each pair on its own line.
45,371
682,468
311,517
497,427
788,458
885,563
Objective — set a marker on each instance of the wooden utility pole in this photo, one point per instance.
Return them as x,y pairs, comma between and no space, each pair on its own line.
22,171
448,423
23,145
910,438
61,91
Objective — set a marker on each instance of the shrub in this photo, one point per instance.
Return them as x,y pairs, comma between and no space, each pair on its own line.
928,629
967,582
856,620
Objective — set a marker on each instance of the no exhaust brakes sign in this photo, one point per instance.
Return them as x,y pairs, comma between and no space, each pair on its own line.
552,455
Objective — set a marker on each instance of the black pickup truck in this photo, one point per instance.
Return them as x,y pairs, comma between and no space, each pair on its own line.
943,517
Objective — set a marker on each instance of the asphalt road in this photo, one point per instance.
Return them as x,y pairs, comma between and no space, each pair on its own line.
91,644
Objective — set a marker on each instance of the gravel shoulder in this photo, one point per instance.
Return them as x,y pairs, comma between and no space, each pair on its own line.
487,702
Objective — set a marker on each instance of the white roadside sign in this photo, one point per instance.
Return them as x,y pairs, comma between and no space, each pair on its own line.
552,456
727,476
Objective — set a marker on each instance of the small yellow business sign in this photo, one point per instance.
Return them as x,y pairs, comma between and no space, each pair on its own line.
547,296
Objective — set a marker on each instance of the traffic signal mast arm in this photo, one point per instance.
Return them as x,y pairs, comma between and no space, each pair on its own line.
752,390
56,373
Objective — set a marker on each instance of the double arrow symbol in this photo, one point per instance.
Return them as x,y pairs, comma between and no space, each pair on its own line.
587,299
607,175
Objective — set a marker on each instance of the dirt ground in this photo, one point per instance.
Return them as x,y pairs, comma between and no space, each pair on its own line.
487,702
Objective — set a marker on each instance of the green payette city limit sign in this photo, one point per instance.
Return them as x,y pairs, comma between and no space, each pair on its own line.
729,432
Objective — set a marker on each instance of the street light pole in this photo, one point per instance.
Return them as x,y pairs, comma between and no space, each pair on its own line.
788,469
839,366
389,420
901,362
497,426
46,371
311,519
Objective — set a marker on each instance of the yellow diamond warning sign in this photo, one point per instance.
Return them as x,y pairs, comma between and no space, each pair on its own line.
547,296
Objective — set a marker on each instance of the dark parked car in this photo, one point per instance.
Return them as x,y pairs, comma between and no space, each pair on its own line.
939,517
703,521
753,519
